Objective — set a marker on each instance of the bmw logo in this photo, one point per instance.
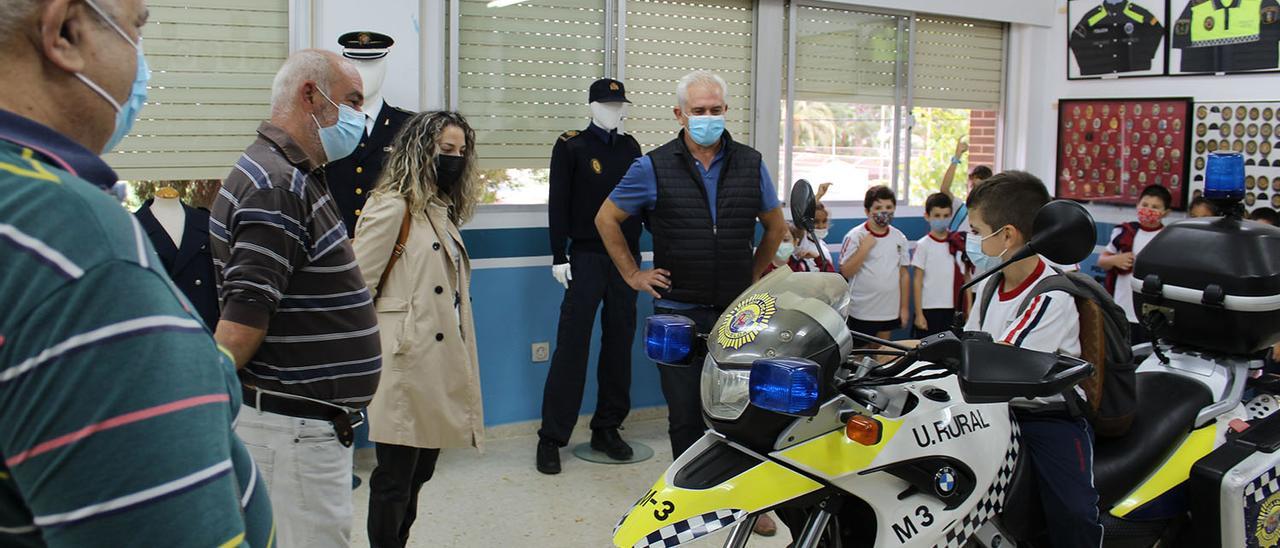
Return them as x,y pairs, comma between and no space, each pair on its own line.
944,482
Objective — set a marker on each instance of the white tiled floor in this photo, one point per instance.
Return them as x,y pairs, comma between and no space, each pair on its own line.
498,499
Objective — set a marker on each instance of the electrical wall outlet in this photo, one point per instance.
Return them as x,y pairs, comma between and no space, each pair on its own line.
541,352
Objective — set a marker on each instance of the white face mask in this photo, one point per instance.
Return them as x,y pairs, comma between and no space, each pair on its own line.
608,115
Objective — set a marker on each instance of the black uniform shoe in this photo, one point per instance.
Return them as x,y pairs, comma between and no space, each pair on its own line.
548,457
608,441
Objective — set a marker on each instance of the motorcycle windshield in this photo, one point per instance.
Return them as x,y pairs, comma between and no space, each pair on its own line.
796,314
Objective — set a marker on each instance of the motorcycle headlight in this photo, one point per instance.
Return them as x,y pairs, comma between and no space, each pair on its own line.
725,392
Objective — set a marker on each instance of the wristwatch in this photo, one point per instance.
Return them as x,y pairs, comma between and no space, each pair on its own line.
955,160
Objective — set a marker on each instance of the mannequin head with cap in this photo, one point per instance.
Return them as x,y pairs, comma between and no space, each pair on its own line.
608,102
368,52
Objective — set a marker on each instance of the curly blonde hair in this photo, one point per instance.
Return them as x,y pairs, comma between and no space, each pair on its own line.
410,170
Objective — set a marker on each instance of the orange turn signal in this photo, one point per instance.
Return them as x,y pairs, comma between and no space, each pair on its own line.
863,429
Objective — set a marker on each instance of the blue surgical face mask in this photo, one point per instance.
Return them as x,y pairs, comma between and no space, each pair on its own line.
341,139
973,249
785,249
127,112
939,225
706,130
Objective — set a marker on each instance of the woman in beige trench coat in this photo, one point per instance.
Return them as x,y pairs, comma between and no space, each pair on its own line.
429,394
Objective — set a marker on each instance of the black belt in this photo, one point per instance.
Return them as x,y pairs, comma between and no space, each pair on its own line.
344,423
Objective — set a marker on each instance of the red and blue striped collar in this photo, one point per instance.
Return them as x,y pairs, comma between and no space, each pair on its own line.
56,149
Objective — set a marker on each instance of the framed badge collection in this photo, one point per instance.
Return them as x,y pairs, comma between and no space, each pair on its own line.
1110,149
1250,128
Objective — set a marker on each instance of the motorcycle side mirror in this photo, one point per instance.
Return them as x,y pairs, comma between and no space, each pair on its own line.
804,205
1064,233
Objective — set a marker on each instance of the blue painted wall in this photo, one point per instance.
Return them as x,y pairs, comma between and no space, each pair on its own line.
515,307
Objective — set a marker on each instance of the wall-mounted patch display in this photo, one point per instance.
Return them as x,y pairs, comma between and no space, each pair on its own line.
1249,127
1151,146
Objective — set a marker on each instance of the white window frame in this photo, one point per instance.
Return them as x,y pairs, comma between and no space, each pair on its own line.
904,107
438,86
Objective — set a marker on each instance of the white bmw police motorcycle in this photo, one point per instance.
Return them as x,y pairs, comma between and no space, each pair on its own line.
923,451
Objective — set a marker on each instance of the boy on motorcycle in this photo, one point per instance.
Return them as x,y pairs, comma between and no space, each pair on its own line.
1001,211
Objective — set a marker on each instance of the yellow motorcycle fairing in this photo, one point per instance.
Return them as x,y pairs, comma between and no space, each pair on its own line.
668,512
1175,470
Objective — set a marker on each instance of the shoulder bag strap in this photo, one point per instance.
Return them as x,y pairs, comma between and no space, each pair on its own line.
397,251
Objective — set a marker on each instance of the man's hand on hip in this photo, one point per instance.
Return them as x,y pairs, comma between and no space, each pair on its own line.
649,281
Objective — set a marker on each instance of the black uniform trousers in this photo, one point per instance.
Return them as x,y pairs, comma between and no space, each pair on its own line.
393,492
681,386
595,279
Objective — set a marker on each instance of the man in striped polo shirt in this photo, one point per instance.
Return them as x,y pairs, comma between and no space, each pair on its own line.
296,313
117,405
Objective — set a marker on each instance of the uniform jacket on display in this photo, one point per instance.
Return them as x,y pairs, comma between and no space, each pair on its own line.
189,264
1116,37
429,394
585,167
1228,35
352,178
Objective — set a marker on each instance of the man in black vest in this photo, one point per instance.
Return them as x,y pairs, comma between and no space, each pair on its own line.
701,194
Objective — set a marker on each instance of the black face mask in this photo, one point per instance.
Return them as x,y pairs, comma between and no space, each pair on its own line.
449,171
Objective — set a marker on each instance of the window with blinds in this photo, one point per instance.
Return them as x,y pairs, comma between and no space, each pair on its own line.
959,63
212,62
847,56
666,39
523,74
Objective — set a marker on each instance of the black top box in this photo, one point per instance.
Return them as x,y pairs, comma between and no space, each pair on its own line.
1217,281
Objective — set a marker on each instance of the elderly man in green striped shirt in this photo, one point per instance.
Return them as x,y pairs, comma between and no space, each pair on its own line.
118,406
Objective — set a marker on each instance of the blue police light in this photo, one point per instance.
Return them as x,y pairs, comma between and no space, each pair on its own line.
1224,176
785,385
668,338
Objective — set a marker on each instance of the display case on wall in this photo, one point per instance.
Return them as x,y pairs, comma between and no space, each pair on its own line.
1116,39
1251,128
1110,149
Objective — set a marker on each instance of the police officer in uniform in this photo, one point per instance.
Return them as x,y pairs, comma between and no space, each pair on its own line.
1116,36
585,166
1228,35
351,178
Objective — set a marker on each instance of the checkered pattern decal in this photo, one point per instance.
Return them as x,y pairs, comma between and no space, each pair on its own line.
990,503
692,528
1262,487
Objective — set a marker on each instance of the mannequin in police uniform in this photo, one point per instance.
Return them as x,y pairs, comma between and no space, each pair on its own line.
351,178
585,166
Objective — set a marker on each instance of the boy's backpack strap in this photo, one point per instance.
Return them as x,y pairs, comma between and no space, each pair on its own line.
988,292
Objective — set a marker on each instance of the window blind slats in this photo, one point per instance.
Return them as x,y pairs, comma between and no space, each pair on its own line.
212,62
959,63
846,56
523,74
184,31
210,12
667,39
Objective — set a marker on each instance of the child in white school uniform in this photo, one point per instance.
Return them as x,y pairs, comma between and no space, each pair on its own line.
939,272
874,258
817,258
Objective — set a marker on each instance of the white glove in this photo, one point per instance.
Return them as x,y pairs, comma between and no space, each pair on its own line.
562,274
